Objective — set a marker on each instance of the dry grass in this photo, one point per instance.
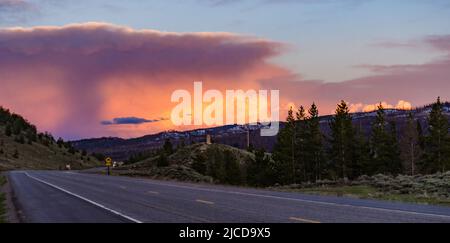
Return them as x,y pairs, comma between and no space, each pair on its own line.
39,156
2,200
429,189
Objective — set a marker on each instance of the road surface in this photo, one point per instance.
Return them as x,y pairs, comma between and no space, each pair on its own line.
70,197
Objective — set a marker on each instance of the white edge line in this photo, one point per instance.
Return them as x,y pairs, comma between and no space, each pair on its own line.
85,199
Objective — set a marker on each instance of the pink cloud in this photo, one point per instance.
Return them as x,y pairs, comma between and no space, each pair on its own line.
417,84
68,79
99,71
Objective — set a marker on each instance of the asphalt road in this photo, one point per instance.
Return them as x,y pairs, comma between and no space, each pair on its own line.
69,197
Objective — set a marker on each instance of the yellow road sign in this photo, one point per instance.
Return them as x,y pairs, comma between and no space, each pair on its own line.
108,162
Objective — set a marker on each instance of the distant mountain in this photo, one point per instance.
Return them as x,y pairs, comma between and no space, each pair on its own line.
22,147
233,135
122,149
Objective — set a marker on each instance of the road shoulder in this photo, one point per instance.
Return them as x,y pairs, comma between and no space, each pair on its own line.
11,210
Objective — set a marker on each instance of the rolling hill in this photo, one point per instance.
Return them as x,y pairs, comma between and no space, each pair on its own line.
23,147
198,162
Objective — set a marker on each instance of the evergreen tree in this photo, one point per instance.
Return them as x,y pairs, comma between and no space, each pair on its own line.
314,155
8,130
361,152
300,140
421,137
437,147
162,160
410,144
384,146
284,151
199,164
17,126
232,169
20,139
71,149
260,172
216,164
31,136
60,142
342,141
168,147
394,162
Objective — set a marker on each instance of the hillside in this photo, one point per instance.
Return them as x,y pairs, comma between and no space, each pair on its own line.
233,135
199,162
23,147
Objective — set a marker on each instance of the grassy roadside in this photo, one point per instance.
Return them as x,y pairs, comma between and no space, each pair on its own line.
361,191
369,192
2,200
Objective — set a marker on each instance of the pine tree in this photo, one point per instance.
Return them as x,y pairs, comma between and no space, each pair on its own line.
284,151
437,147
199,164
232,169
394,161
361,152
60,142
384,146
17,127
300,142
162,160
20,139
314,155
410,144
8,130
342,141
260,172
168,147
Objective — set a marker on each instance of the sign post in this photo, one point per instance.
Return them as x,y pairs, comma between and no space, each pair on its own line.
108,163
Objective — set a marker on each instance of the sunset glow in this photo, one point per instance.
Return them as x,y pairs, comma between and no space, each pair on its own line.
83,70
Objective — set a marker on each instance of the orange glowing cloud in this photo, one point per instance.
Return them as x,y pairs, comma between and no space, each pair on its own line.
69,79
82,74
360,107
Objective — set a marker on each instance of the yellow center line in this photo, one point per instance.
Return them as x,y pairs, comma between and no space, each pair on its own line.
153,192
205,202
304,220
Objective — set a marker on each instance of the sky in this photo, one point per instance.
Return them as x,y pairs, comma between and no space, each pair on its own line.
81,69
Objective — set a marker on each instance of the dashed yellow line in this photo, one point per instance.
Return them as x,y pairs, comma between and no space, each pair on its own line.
204,202
304,220
153,192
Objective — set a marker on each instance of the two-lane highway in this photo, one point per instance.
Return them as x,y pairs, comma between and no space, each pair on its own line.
52,196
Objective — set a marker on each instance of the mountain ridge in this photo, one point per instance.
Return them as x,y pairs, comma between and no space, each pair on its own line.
234,135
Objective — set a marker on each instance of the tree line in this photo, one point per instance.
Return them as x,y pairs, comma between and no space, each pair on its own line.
23,132
304,154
